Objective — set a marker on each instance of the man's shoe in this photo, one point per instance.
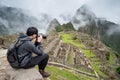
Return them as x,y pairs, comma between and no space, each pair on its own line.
44,74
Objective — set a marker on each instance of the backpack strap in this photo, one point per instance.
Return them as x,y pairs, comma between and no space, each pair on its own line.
17,45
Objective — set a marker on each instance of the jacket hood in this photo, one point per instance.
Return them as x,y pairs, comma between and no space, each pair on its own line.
24,37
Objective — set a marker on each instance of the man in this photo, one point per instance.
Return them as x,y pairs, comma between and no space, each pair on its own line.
27,48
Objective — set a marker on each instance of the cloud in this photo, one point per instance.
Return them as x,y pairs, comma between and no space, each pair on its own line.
108,9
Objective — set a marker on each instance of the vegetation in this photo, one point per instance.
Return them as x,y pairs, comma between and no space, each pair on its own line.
61,74
68,38
65,27
118,70
106,31
70,58
112,40
98,67
64,74
112,58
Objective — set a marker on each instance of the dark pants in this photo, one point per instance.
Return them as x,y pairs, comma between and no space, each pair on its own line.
41,61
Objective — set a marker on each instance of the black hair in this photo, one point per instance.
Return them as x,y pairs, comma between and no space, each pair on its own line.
31,30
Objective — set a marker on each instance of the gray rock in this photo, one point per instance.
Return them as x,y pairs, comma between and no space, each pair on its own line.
23,74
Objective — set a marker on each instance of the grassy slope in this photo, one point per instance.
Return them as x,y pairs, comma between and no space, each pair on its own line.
68,38
64,74
61,74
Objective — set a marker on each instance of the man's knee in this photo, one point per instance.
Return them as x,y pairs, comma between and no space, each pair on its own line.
46,56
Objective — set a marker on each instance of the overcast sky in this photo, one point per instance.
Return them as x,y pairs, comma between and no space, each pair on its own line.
109,9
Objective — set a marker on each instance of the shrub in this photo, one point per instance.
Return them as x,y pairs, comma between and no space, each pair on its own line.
74,38
118,70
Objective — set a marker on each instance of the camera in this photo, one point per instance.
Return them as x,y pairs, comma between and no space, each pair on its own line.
43,35
38,35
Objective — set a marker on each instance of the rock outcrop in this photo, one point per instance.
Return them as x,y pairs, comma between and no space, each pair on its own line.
3,64
8,73
23,74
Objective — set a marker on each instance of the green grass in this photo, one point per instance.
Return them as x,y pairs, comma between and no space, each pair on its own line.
70,58
65,74
68,38
112,58
83,77
61,74
96,68
88,53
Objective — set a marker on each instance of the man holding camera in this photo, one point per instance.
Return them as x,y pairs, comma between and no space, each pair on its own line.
27,48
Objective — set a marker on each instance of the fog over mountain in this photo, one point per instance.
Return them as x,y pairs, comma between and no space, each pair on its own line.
16,20
83,17
108,9
40,13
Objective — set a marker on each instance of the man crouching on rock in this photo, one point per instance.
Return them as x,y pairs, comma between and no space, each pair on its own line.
27,48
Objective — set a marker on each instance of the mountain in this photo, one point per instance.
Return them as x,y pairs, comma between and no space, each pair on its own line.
110,33
3,30
17,20
54,23
65,27
85,21
44,20
82,17
56,26
64,18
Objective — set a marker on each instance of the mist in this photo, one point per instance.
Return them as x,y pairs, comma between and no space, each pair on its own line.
63,10
114,29
108,9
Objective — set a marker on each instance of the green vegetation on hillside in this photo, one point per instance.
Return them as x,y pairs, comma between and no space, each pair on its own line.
118,70
68,38
70,58
109,38
64,74
61,74
112,41
64,27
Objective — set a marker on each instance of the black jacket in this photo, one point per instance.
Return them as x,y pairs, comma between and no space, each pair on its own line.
26,49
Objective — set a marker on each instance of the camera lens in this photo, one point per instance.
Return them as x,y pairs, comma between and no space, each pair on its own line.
44,36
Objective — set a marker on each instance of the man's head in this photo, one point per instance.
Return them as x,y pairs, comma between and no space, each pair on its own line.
32,32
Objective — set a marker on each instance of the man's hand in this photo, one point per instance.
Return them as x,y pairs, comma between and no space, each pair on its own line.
39,38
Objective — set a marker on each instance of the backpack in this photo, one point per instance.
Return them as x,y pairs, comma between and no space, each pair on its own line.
12,56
